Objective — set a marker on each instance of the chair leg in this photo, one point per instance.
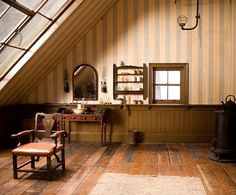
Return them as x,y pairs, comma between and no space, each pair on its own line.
32,162
63,159
49,168
14,158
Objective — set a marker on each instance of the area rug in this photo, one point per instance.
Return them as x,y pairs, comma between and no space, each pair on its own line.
122,184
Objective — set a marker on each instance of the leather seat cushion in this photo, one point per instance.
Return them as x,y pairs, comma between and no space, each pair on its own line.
36,149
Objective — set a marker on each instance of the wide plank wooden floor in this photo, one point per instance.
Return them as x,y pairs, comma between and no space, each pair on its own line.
86,162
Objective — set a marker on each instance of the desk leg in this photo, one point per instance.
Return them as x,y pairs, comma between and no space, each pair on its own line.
69,128
103,134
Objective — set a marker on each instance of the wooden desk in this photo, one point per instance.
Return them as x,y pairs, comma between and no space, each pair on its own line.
94,118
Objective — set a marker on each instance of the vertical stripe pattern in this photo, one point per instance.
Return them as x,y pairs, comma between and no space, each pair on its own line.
146,31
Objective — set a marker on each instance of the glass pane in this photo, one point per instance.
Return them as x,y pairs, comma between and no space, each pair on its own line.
32,5
84,83
160,92
11,19
51,8
3,7
9,22
160,77
174,77
17,41
7,57
31,31
174,92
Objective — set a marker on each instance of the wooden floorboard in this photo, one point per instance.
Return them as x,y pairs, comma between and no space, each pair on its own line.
87,161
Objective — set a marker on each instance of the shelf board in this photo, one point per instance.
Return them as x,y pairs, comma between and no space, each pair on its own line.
129,67
128,81
130,74
128,92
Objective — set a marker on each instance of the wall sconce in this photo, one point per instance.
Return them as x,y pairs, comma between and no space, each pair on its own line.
103,86
182,20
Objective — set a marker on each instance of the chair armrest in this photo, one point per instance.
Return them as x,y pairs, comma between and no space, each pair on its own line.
63,132
59,135
23,135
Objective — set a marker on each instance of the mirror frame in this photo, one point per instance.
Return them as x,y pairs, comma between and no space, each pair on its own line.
96,84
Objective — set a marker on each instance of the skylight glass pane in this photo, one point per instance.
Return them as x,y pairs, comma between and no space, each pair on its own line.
7,57
161,92
17,40
160,77
51,8
174,92
9,21
174,77
31,31
3,7
20,30
32,5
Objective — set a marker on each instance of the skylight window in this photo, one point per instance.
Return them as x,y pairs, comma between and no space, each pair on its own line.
22,23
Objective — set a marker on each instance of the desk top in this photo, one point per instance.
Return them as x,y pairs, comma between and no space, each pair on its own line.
93,117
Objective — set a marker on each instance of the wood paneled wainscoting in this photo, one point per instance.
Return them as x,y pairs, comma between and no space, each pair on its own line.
168,123
157,123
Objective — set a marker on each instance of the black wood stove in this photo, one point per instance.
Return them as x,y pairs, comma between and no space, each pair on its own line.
224,142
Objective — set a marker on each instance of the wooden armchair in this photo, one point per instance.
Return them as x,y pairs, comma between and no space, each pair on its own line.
47,139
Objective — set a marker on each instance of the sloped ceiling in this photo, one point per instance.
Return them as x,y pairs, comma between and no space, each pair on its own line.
70,32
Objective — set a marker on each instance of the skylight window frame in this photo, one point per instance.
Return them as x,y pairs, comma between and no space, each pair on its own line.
14,33
19,7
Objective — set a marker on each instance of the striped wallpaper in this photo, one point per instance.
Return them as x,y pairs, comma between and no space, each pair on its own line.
146,31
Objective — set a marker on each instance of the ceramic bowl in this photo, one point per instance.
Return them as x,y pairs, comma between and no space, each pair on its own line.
78,111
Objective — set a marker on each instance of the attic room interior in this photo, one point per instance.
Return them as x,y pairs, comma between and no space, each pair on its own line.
144,91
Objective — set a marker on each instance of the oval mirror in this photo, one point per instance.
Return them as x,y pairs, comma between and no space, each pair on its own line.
85,82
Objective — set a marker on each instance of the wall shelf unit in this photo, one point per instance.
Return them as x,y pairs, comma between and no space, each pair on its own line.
129,80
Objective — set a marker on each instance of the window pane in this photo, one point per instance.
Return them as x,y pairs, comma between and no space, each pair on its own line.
51,8
160,92
174,92
7,57
31,31
174,77
3,7
160,77
175,89
9,22
32,5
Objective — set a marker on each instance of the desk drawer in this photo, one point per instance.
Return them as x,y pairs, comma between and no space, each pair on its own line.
82,117
93,117
74,117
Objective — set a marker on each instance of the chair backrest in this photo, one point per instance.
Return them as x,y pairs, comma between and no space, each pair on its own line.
46,124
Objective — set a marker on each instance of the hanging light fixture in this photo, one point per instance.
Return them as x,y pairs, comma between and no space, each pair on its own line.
182,20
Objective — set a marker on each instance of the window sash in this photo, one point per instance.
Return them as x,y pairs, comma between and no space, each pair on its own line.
173,88
16,34
165,92
164,84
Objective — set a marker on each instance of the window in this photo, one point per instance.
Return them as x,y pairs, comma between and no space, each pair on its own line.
22,23
168,83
